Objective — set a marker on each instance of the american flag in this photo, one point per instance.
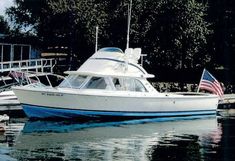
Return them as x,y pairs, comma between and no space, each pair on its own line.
209,83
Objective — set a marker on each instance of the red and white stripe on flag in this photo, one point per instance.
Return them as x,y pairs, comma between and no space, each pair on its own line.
209,83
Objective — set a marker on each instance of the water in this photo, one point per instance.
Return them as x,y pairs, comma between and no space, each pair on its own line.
203,139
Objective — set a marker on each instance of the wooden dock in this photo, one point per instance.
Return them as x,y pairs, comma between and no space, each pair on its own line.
226,108
10,107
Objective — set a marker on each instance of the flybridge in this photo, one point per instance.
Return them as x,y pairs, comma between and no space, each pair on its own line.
112,62
130,54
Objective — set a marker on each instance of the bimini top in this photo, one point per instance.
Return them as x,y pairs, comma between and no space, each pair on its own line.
110,49
113,62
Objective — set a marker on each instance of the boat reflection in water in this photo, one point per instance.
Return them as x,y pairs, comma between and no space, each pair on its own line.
148,139
41,126
226,148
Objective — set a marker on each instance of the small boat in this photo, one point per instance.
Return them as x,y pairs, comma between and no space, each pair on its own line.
110,84
8,98
226,107
3,119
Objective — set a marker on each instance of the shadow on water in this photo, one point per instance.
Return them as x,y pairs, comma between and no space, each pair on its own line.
177,147
218,145
226,148
161,139
40,126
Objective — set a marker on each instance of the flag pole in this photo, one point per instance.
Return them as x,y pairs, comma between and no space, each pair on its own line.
128,24
200,80
96,38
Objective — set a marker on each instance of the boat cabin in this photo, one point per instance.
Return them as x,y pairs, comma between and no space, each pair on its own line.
110,69
105,83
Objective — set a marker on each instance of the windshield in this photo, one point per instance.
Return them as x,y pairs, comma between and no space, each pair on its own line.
128,84
96,83
73,81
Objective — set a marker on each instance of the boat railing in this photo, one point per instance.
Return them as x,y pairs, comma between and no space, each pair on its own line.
26,77
39,65
7,86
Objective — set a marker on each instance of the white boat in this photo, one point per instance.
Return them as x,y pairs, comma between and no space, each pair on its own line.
8,98
3,119
110,84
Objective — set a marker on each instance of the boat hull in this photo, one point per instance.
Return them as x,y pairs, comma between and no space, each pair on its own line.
62,104
51,112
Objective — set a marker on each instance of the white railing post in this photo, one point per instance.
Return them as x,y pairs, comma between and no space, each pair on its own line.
19,63
48,81
42,68
51,65
10,66
27,66
36,66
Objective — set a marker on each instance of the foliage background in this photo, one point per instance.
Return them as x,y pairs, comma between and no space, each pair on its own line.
180,37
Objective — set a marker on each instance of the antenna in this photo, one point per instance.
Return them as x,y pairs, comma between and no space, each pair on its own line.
96,38
128,24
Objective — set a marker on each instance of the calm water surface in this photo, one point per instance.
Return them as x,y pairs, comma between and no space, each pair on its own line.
203,139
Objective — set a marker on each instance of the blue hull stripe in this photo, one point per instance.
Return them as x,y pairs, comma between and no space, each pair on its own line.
49,112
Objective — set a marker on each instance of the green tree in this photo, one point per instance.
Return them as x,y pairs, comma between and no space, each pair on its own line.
172,32
77,22
4,27
28,14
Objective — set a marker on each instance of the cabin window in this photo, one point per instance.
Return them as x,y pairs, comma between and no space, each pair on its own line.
139,87
117,84
128,84
96,83
74,81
